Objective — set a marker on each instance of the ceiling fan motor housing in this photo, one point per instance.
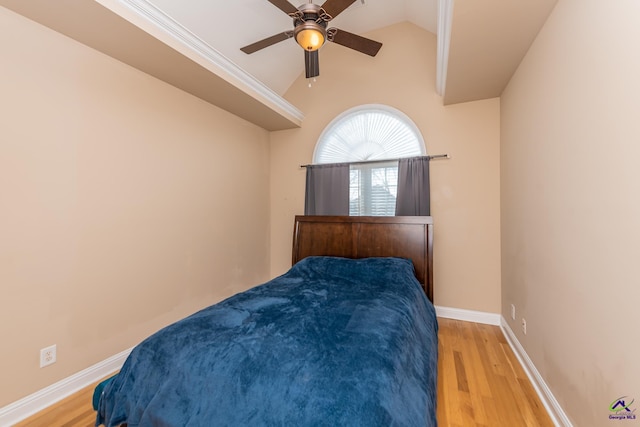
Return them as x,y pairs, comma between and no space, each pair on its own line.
310,28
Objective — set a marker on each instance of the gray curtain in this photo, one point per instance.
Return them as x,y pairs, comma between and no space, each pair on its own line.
327,191
413,187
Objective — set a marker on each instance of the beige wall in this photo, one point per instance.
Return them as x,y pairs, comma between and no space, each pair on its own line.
465,189
125,205
570,207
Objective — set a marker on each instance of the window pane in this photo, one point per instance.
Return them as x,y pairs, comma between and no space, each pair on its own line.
373,189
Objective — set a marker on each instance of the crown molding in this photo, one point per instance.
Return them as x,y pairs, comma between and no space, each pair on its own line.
231,71
445,19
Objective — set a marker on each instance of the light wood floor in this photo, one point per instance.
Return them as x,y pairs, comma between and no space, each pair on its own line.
480,383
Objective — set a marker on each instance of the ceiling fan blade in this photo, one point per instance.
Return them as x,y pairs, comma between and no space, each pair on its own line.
334,7
354,41
254,47
311,64
284,6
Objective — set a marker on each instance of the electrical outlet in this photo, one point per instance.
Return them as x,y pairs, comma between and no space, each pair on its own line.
524,326
513,312
48,356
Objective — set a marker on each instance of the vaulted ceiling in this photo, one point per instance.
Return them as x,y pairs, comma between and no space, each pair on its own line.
480,44
230,25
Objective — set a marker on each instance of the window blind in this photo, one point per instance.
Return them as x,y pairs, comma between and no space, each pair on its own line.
373,189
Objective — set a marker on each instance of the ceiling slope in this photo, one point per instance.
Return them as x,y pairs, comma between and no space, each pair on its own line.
488,40
230,25
176,42
155,51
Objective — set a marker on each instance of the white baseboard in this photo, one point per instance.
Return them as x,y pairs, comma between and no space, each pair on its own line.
557,414
36,402
468,315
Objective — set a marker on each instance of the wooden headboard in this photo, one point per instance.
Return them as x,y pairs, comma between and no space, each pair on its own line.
365,236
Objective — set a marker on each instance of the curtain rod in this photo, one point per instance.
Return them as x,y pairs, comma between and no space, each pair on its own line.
362,162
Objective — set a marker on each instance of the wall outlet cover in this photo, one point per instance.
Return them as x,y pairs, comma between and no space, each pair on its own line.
48,356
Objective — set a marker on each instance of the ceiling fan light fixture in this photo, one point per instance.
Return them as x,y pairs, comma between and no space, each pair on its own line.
310,35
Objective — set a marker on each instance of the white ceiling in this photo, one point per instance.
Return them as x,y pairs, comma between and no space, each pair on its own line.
229,25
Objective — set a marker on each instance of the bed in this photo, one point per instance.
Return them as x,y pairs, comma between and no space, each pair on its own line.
348,336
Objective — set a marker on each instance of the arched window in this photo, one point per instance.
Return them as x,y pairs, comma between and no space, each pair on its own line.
370,134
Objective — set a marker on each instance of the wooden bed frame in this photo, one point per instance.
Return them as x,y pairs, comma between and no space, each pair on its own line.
364,236
408,237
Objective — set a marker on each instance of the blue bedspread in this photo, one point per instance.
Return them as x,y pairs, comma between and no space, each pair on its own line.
333,342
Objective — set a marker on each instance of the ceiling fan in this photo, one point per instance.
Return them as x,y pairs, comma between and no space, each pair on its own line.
311,32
